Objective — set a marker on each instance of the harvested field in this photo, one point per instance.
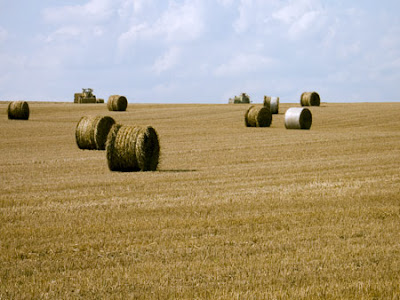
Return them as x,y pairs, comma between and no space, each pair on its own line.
231,212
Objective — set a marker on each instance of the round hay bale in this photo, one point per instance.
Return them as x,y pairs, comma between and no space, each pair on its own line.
272,103
117,103
91,132
267,101
310,99
298,118
258,117
18,110
132,148
99,100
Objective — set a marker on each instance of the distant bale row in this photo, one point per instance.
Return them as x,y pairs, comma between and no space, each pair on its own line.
91,132
258,117
310,99
117,103
18,110
272,103
132,148
295,117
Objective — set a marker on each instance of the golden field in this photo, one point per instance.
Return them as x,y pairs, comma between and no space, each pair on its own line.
232,212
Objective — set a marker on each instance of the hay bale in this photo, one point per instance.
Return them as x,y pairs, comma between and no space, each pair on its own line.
99,100
18,110
272,103
87,99
132,148
91,132
258,117
77,96
310,99
298,118
117,103
267,101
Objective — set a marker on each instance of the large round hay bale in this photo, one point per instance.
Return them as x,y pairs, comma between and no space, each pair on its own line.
272,103
132,148
18,110
258,117
310,99
91,132
298,118
117,103
99,100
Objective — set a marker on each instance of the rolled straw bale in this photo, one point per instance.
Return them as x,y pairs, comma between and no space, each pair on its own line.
132,148
91,132
298,118
99,100
258,117
267,101
272,103
18,110
117,103
77,96
310,99
87,99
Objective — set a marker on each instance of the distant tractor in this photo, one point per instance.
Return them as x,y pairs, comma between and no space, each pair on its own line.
243,98
85,97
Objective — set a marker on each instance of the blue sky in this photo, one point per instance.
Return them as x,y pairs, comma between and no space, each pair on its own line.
200,51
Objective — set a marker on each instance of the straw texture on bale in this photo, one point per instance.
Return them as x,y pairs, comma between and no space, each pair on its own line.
117,103
77,97
91,132
310,99
272,103
298,118
258,117
132,148
18,110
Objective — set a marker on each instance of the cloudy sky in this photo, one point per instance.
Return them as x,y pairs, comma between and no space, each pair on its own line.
200,51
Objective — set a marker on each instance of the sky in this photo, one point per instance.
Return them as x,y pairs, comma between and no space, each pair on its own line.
200,51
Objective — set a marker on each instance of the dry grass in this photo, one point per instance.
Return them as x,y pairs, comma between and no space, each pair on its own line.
308,215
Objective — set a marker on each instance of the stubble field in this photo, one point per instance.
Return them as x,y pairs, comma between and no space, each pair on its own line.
232,212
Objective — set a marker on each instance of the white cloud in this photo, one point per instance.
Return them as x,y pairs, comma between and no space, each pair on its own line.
244,63
178,23
166,61
225,3
93,11
305,22
3,35
64,34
